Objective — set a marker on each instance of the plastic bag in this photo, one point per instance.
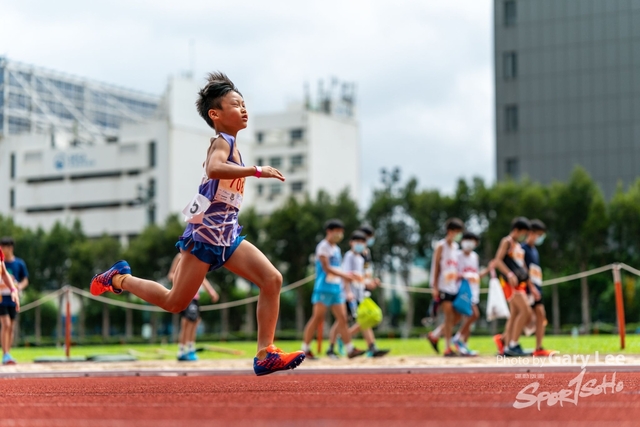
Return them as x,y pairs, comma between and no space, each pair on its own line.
462,302
369,314
497,307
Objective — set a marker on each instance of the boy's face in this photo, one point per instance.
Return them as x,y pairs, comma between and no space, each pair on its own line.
233,113
7,250
468,245
535,236
358,246
335,236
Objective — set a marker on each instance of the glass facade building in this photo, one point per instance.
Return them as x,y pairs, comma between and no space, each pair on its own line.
567,89
38,100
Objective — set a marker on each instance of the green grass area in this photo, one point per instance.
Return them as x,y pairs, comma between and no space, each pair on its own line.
604,344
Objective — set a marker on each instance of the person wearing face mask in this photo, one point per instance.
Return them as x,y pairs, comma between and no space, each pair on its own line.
444,281
355,292
469,269
509,262
532,259
327,290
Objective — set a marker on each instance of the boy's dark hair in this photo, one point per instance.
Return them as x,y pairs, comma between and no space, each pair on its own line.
454,224
7,241
358,235
468,235
218,85
520,223
332,224
537,225
367,229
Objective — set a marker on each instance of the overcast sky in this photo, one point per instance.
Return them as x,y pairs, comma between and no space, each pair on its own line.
423,68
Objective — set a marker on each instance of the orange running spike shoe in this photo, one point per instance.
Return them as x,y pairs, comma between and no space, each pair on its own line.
499,343
101,283
272,359
541,352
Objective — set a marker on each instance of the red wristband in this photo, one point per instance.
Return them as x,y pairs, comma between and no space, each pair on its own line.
258,173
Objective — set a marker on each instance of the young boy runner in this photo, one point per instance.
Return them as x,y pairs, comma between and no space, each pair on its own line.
509,262
328,289
190,317
9,308
444,280
355,292
469,269
532,259
212,238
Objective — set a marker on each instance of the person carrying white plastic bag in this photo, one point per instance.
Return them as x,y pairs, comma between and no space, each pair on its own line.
497,307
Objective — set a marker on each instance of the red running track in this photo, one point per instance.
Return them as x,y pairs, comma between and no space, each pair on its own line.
311,400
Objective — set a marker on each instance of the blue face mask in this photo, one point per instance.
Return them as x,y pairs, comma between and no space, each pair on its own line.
540,240
371,241
358,248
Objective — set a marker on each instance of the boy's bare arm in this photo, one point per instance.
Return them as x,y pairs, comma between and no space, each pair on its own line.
324,262
210,290
499,263
436,268
218,168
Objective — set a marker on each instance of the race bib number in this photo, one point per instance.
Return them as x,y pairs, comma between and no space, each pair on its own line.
231,192
535,273
451,275
194,211
472,278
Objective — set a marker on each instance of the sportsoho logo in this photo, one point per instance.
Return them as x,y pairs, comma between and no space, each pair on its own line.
576,389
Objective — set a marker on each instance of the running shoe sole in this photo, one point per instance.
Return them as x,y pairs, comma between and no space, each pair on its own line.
291,365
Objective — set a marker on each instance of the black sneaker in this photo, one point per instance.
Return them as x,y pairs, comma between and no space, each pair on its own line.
515,351
376,352
355,353
309,356
434,342
332,355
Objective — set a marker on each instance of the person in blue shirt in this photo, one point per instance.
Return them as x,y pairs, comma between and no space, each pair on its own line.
17,270
328,289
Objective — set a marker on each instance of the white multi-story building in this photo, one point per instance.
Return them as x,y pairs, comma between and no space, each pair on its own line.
315,150
146,162
138,176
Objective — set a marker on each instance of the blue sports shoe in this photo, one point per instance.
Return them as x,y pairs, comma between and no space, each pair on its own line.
8,360
341,347
101,283
191,356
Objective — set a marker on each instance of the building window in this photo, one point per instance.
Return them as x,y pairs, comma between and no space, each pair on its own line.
510,65
512,167
275,162
260,189
297,187
297,160
276,188
13,166
12,198
509,13
297,134
259,161
152,154
259,137
151,191
511,118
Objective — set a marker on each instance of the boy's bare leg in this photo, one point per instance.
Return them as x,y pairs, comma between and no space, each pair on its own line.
187,280
449,317
541,316
5,322
354,329
368,336
340,313
333,334
194,330
465,331
182,337
522,317
318,314
251,264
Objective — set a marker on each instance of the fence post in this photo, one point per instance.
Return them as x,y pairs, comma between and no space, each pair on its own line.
555,309
619,304
67,321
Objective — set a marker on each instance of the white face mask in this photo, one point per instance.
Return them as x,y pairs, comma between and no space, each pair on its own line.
540,239
468,245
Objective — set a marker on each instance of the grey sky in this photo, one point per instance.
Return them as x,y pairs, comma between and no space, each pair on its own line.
423,68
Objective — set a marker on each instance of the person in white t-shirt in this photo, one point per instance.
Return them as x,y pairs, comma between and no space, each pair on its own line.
469,270
444,280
